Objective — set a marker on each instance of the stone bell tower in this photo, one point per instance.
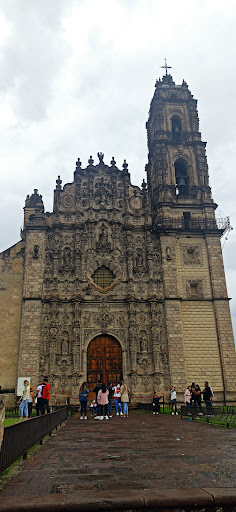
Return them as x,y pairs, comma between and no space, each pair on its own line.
199,331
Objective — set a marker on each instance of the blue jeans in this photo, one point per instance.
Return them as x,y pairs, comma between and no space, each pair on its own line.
109,405
83,404
24,408
118,406
125,408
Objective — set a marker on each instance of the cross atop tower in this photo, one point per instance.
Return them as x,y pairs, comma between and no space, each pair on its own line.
166,66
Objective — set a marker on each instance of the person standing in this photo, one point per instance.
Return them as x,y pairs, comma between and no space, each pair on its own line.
117,399
103,401
173,400
207,395
39,402
196,395
46,396
96,390
109,387
187,397
83,398
124,391
23,409
156,402
31,401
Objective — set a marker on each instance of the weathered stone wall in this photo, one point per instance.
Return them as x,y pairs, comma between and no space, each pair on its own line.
11,280
201,344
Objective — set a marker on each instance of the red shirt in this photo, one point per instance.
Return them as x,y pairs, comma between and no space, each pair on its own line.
46,391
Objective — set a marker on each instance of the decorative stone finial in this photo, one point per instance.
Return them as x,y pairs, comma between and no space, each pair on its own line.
184,84
58,183
90,160
144,185
78,164
125,166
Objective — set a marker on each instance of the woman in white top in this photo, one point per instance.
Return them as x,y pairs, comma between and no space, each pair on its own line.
116,398
173,400
24,400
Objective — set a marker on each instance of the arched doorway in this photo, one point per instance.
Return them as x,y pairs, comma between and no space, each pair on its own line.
104,361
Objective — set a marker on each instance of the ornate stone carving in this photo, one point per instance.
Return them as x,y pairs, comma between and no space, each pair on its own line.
102,194
90,333
191,254
68,201
145,380
194,288
64,362
144,361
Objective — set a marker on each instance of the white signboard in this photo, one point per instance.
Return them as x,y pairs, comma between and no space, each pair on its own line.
20,385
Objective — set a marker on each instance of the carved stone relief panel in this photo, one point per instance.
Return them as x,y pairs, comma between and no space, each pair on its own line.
194,288
191,255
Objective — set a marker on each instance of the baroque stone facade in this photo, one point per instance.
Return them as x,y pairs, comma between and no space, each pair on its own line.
142,266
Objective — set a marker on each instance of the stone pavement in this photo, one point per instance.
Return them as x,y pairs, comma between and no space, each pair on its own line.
144,452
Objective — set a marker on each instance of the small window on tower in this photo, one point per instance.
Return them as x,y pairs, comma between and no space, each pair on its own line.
176,125
190,254
103,277
193,289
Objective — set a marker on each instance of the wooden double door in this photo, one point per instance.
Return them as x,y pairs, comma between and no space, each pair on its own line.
104,361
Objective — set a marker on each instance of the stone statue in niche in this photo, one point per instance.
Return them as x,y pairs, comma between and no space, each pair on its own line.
139,267
139,258
168,253
66,257
49,259
65,343
36,252
103,242
143,343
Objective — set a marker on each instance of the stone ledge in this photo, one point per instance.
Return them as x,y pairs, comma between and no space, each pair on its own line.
143,500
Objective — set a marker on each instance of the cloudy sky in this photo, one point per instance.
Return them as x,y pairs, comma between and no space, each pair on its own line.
77,77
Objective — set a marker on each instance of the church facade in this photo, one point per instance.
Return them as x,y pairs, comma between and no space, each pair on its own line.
122,282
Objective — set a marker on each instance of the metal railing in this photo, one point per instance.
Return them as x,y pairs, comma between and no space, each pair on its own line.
224,415
194,223
21,436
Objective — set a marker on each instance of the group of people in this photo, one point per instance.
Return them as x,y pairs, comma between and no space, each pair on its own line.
101,408
193,396
40,399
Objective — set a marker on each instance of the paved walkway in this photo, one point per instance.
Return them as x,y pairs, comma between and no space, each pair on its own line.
142,452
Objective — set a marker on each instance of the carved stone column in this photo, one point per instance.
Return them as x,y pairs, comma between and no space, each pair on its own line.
76,349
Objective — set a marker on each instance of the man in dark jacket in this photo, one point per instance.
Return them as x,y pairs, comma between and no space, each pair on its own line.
95,390
207,395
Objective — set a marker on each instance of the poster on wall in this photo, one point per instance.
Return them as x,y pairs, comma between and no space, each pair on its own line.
20,385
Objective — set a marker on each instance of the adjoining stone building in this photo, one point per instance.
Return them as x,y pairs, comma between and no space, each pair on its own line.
121,281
